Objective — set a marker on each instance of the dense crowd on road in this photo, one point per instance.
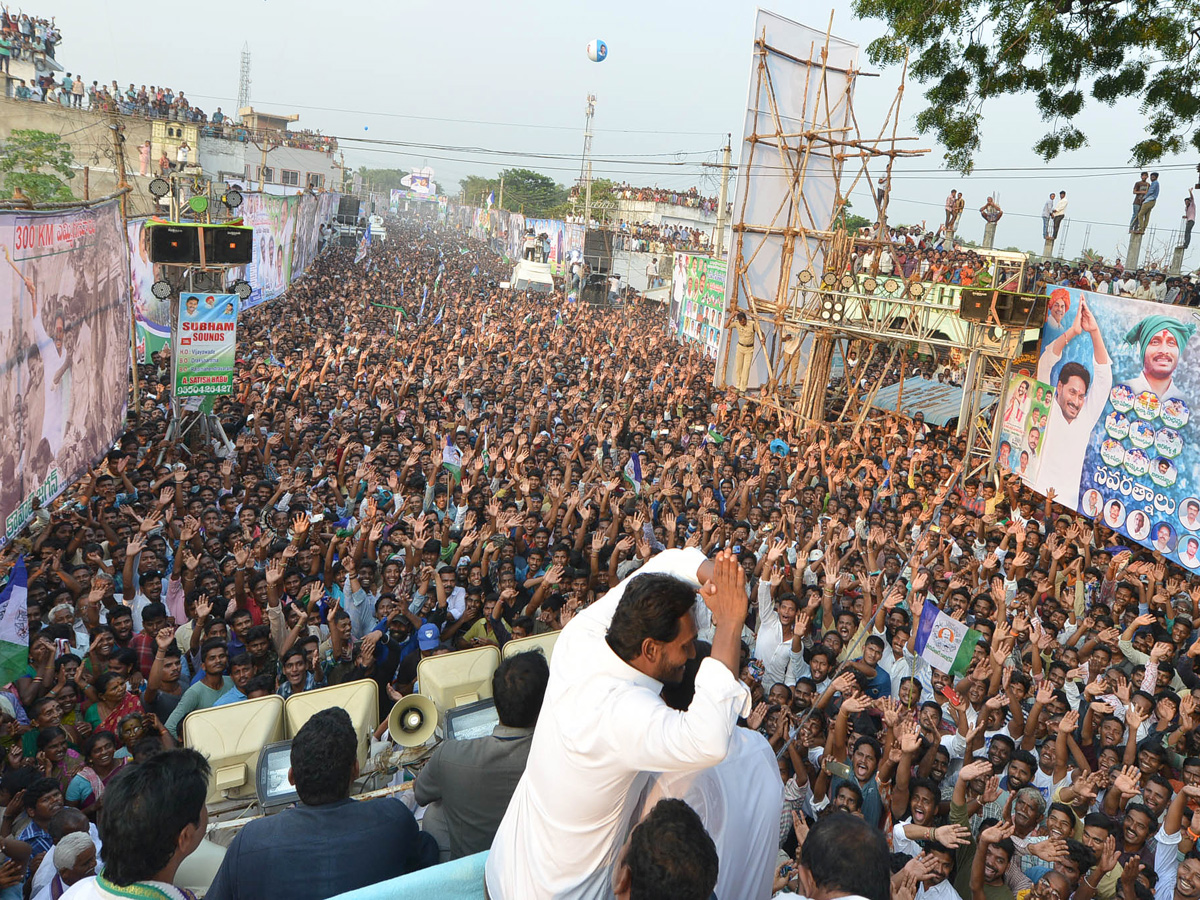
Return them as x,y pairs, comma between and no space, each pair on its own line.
399,485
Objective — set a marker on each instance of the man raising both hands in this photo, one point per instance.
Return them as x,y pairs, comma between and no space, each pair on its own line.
604,727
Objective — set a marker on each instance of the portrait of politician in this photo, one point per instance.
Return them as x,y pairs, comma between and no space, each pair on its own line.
1160,340
1079,399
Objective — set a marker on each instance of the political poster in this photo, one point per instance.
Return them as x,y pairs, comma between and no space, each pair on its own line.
64,342
204,359
1121,445
152,317
697,300
1023,426
267,274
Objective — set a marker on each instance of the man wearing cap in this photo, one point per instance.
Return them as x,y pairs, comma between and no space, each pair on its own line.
1079,399
604,726
429,639
1159,340
744,332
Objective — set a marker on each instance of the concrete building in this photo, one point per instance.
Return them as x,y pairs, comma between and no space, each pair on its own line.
261,151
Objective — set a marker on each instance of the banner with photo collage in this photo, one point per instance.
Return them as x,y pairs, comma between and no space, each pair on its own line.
1023,425
698,301
1121,441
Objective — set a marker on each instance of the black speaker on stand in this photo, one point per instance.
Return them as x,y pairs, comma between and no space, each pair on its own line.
598,250
1013,310
595,289
174,244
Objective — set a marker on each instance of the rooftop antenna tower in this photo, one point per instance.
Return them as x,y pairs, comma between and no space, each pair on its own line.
585,173
244,81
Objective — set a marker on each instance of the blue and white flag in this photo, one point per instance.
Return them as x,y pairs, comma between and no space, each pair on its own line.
14,624
633,473
363,245
945,643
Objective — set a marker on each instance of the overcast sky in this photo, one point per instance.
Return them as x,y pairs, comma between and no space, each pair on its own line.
514,76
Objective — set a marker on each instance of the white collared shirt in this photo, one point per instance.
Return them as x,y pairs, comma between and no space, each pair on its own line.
769,647
602,729
1063,469
739,801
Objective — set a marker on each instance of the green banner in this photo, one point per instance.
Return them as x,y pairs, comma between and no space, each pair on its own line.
207,341
698,300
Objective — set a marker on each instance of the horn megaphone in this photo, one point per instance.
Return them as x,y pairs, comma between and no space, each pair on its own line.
412,720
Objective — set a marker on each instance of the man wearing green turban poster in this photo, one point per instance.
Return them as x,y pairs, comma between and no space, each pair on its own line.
1160,340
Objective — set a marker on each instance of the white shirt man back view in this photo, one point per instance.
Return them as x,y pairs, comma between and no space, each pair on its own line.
739,801
602,729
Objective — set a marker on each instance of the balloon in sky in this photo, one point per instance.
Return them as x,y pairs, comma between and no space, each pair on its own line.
597,51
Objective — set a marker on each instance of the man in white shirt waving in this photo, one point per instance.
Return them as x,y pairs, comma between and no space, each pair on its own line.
603,726
1079,398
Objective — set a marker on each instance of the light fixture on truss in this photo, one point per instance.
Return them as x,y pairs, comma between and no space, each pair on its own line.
804,276
870,284
832,310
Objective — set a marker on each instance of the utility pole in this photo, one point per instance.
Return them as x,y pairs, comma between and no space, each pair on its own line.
586,169
118,138
502,190
719,241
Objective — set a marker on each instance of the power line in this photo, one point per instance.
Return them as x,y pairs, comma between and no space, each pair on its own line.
374,112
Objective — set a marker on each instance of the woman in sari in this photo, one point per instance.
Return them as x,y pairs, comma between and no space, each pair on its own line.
114,704
55,758
87,787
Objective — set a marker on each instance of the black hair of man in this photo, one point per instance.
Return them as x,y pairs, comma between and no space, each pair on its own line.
260,683
1073,369
671,856
146,808
325,757
518,688
651,607
844,855
37,790
153,611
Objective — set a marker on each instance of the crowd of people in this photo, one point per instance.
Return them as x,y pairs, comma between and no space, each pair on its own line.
400,486
936,257
648,238
690,198
27,37
156,102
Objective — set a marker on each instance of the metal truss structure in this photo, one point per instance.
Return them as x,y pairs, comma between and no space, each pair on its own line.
843,312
